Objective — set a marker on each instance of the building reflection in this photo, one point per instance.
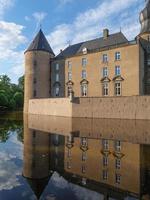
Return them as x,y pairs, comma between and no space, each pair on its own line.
113,163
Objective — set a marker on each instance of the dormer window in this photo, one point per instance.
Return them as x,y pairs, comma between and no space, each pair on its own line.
84,50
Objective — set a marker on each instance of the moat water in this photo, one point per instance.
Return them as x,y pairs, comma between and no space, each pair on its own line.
55,158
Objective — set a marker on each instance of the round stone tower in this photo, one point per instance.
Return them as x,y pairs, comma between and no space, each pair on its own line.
145,21
37,69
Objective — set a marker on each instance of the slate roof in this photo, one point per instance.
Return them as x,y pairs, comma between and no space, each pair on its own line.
92,45
40,43
146,18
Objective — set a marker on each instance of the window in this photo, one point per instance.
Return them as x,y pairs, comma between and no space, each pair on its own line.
105,161
118,163
84,141
57,66
69,65
118,89
105,174
84,90
57,77
69,76
117,70
68,165
105,58
69,91
105,71
84,155
83,74
105,89
84,50
83,169
118,178
69,153
117,56
118,145
105,144
57,90
84,62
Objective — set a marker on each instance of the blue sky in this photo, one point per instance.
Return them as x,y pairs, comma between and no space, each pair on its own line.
63,22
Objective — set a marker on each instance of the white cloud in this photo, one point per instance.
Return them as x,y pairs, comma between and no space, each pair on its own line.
4,5
11,38
108,13
39,16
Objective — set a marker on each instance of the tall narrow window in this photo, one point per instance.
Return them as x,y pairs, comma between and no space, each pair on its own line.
69,165
105,161
118,89
69,65
83,169
117,70
118,178
57,90
84,62
84,90
105,144
84,141
84,74
118,163
69,76
118,145
117,56
105,89
84,155
105,71
57,77
105,58
57,66
105,174
69,153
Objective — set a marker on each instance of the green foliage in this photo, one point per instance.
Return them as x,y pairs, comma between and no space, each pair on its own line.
11,95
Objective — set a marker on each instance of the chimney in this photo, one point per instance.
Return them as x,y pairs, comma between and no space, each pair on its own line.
105,33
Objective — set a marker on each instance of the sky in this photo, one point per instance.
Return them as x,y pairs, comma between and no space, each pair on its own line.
63,22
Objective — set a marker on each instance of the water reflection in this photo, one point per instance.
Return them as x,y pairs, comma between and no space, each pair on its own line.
87,158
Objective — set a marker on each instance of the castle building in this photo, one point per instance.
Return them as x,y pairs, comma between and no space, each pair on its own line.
103,67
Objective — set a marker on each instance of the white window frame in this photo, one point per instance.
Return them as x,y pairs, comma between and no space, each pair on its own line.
84,90
105,89
84,155
84,75
105,144
117,55
69,76
84,141
105,174
118,87
118,145
69,65
84,62
105,58
117,70
105,71
118,163
105,161
118,178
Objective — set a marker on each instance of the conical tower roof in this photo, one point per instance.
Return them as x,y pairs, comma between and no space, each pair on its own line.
40,43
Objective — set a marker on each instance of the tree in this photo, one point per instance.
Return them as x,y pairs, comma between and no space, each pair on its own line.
18,97
21,83
3,100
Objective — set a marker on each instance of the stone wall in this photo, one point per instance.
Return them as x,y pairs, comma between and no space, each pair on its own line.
53,106
135,107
